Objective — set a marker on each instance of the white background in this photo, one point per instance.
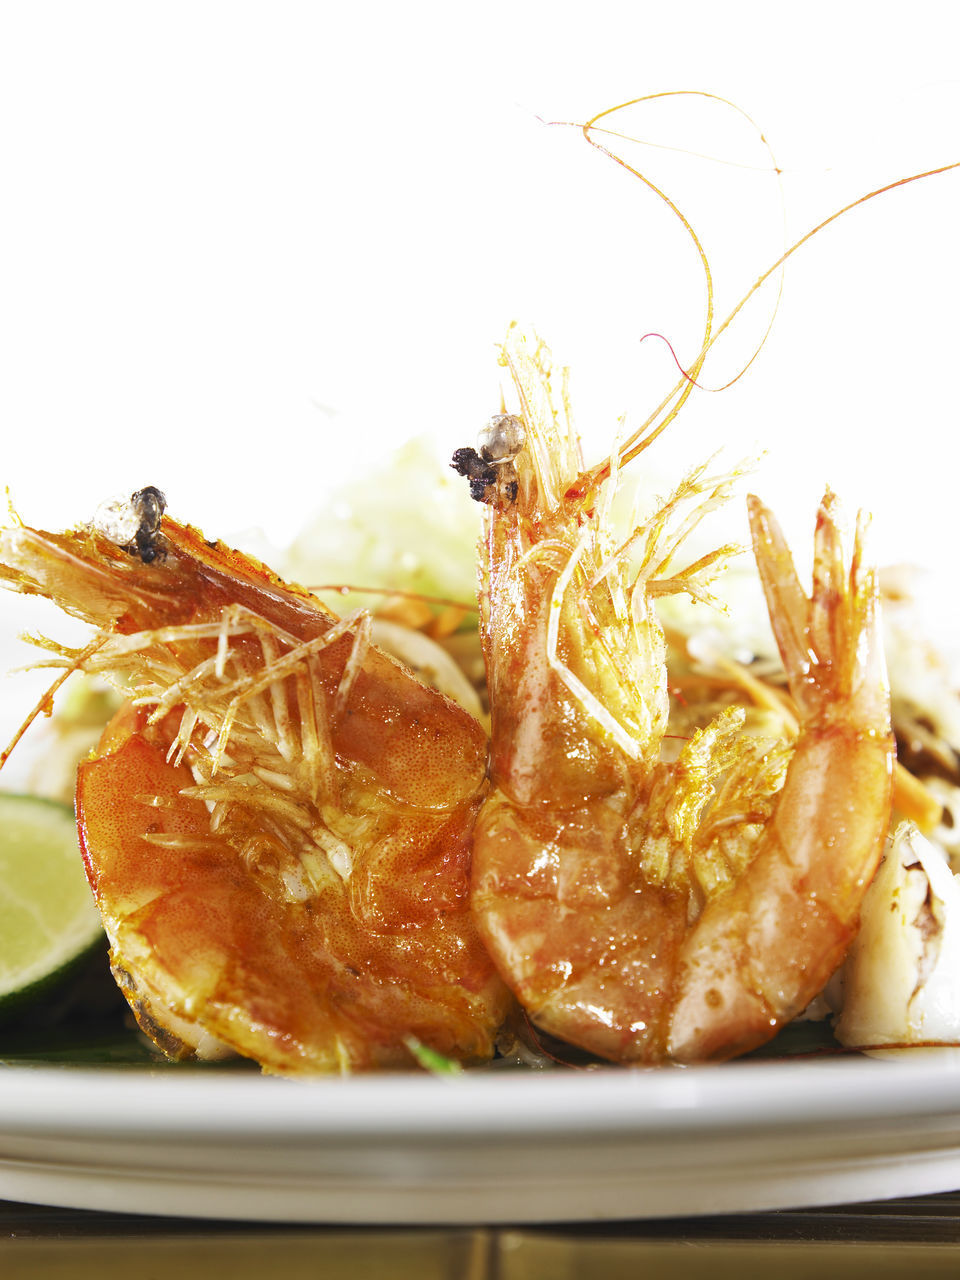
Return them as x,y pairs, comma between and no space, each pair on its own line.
247,248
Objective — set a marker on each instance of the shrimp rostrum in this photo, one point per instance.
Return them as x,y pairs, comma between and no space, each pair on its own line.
644,907
277,824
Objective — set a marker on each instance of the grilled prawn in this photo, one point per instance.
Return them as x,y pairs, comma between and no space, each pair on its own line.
650,909
277,826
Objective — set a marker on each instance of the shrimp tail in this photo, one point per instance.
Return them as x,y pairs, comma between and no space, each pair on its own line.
763,949
830,644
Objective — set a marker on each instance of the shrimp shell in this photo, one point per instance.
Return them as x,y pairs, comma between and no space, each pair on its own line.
277,827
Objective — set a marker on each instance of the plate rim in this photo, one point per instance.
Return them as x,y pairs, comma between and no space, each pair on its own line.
185,1103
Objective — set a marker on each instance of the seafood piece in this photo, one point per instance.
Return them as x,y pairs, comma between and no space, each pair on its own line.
642,908
277,826
899,982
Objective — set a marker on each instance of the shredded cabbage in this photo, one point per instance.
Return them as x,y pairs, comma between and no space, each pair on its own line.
409,526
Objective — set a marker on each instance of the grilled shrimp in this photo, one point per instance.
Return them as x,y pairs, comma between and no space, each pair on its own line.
277,825
650,909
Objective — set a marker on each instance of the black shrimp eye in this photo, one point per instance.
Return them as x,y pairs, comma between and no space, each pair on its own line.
490,482
501,439
149,504
467,462
145,548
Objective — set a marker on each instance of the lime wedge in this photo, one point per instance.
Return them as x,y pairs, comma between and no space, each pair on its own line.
48,918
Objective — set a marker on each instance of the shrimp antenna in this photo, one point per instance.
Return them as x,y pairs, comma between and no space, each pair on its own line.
644,435
44,705
673,402
670,405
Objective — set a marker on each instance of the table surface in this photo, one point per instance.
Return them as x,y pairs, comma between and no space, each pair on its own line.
919,1237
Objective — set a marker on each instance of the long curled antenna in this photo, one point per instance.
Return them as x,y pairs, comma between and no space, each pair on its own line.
668,408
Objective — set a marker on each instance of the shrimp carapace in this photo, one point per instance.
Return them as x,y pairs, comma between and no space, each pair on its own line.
642,907
277,826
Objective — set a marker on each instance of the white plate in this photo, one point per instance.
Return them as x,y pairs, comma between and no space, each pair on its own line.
481,1148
